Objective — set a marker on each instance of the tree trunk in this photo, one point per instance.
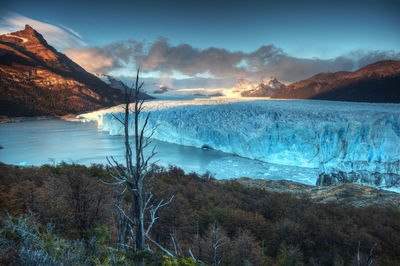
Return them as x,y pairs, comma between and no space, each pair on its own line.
140,241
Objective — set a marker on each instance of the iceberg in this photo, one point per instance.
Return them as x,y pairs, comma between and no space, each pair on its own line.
347,142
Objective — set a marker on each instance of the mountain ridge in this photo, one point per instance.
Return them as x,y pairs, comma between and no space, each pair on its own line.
376,82
263,88
36,79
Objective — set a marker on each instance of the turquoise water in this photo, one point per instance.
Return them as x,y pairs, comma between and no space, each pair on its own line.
53,141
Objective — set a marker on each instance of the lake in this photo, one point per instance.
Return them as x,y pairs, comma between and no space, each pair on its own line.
53,141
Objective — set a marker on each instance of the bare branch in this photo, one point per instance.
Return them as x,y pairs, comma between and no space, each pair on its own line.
160,247
133,238
216,242
119,119
113,183
142,132
148,200
153,212
117,168
126,216
140,105
146,162
173,242
370,260
191,255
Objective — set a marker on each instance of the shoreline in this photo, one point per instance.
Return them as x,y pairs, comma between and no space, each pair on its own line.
20,119
25,118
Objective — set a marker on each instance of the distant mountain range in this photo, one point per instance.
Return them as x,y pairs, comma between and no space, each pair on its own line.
118,84
36,79
161,90
264,88
377,82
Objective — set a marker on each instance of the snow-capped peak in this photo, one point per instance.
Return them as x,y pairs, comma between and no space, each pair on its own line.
264,88
272,83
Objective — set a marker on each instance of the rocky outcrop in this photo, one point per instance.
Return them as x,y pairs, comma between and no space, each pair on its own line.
161,90
344,194
266,88
263,88
35,79
378,82
118,84
112,82
389,176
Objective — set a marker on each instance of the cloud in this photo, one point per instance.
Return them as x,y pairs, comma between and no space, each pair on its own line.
150,84
92,59
222,66
106,58
71,31
59,37
191,61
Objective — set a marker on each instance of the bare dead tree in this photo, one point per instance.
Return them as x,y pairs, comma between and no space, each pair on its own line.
175,242
134,176
122,221
217,241
369,260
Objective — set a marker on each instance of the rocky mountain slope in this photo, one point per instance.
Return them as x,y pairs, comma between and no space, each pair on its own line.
111,81
161,90
118,84
344,194
36,79
264,88
377,82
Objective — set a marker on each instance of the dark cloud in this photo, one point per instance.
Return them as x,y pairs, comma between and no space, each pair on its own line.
190,61
221,64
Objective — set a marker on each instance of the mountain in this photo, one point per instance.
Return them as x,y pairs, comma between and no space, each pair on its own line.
243,85
264,88
118,84
377,82
36,79
161,90
111,81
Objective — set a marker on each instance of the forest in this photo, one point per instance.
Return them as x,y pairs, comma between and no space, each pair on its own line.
64,214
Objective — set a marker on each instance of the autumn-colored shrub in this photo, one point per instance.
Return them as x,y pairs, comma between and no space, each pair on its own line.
258,226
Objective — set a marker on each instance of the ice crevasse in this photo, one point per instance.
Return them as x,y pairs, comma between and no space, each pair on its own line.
347,142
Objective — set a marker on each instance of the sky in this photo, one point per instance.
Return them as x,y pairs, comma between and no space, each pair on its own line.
213,43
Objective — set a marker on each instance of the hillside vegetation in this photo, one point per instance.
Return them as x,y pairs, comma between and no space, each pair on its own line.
257,226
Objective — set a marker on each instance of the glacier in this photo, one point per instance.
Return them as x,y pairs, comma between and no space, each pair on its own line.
347,142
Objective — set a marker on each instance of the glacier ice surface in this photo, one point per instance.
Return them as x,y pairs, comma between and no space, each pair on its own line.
346,141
